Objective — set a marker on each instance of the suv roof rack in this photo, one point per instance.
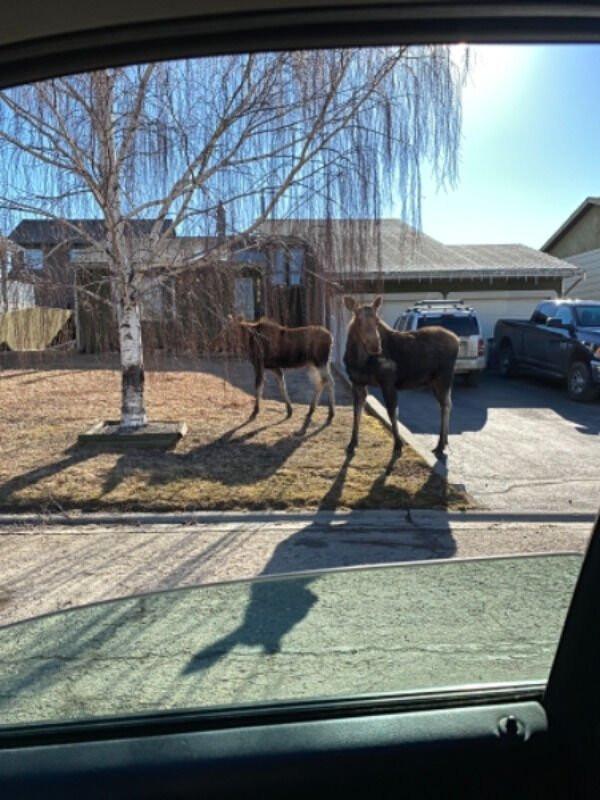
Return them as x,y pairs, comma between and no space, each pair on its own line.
439,304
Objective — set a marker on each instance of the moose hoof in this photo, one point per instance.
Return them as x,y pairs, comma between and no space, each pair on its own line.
289,413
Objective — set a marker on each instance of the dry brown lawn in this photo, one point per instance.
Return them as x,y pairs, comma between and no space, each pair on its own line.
222,463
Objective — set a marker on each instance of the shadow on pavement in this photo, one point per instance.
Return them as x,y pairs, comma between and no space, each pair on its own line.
328,542
419,411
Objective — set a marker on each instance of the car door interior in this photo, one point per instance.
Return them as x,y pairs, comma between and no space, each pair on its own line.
521,740
524,742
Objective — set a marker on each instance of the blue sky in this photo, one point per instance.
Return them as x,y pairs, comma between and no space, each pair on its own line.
531,146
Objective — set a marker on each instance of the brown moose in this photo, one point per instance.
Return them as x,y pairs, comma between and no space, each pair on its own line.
376,355
276,347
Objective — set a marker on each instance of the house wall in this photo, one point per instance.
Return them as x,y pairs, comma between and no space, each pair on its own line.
20,295
589,288
581,237
53,280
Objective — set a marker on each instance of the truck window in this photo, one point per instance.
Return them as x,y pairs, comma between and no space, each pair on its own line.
542,312
588,316
564,314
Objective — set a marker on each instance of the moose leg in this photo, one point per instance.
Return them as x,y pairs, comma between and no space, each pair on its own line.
321,377
259,383
359,395
328,380
443,395
318,382
390,398
281,381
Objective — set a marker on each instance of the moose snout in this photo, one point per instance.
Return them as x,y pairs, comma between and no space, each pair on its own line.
373,347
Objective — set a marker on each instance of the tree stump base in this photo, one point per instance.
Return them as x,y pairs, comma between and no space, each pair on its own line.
157,435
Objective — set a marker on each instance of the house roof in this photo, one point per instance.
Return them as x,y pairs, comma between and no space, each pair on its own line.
506,259
570,221
361,245
391,248
74,231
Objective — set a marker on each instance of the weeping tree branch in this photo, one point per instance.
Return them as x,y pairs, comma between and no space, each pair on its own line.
263,135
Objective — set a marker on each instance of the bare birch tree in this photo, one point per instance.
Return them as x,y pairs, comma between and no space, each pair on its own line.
322,134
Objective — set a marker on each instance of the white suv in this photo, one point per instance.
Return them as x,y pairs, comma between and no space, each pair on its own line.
458,318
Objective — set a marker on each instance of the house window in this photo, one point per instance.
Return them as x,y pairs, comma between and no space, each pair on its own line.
34,258
157,302
278,272
288,267
296,266
244,297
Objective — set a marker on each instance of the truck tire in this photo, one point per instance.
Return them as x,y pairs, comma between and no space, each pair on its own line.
507,365
579,383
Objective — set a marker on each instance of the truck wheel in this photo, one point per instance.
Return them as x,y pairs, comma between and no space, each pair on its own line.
472,378
579,383
507,364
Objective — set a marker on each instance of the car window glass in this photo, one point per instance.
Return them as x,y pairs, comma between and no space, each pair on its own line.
310,637
460,325
194,255
544,311
588,316
564,314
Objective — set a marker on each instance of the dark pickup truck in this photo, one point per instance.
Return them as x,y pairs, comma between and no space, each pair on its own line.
562,339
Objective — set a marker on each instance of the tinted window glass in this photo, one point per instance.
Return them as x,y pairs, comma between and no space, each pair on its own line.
564,314
588,316
461,326
544,311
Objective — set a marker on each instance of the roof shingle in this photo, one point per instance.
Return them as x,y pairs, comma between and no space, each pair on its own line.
391,248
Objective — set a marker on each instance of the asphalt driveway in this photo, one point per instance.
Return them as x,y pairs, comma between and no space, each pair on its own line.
516,445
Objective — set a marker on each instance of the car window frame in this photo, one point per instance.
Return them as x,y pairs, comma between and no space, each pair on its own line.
572,696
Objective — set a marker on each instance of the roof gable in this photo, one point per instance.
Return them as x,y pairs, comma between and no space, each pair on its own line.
579,212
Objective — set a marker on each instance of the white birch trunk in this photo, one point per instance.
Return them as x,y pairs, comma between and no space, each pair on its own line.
133,412
3,282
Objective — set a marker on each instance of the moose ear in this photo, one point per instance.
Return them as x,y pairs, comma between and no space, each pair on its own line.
240,318
377,302
229,317
349,302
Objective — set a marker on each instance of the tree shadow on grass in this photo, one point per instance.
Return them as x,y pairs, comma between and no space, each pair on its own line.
232,460
72,456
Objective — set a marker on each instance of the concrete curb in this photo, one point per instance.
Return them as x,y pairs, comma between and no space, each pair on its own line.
387,518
